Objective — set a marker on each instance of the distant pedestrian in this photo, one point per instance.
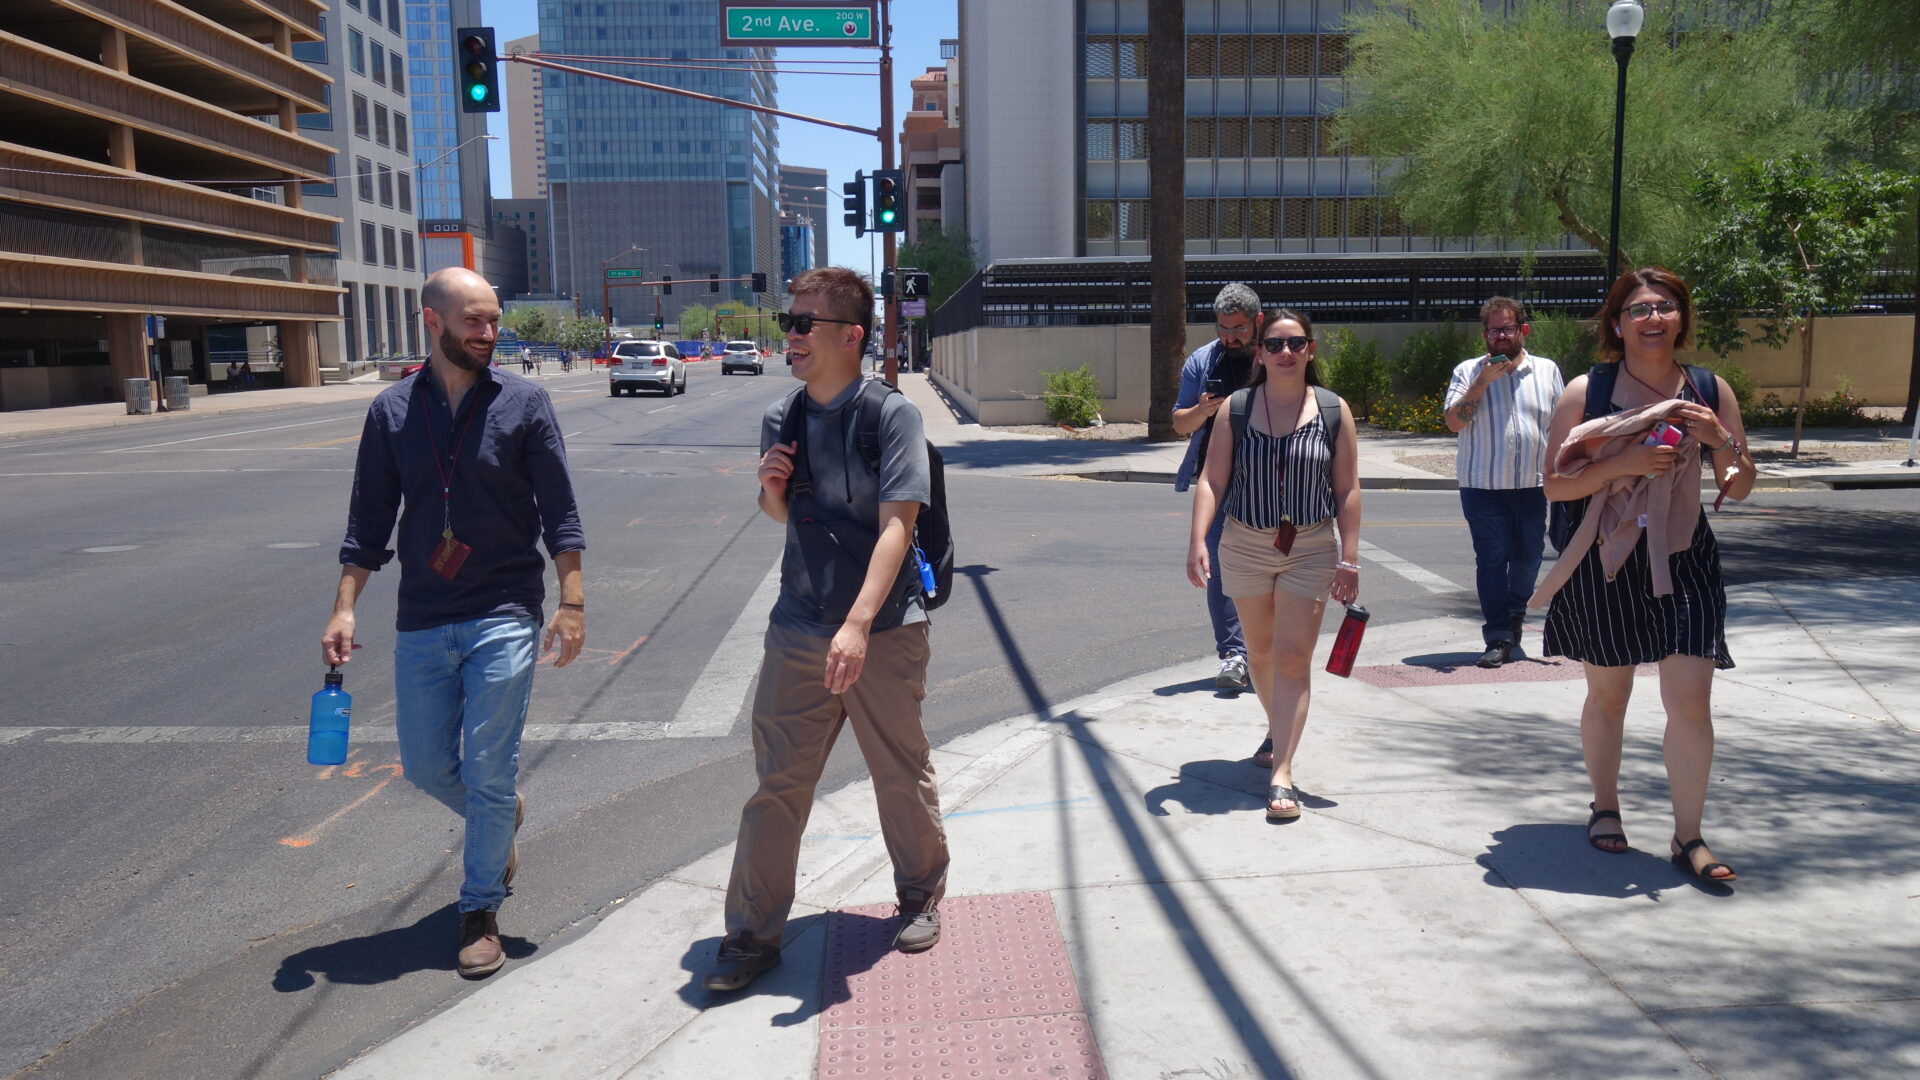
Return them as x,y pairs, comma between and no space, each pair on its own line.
246,373
1284,481
470,459
526,360
1627,591
233,375
1214,371
1501,404
848,640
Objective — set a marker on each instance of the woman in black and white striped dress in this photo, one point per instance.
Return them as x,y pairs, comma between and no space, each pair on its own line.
1613,623
1286,484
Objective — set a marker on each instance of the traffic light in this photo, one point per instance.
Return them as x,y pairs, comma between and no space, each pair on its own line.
888,186
659,324
666,285
855,204
713,282
479,70
886,285
759,282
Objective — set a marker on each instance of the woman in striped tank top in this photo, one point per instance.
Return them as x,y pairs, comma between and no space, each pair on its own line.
1286,484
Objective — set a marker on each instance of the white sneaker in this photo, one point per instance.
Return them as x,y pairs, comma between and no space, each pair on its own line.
1233,673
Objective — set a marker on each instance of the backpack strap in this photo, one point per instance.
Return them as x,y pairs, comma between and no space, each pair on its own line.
1600,382
1239,407
793,429
873,398
1329,416
1706,385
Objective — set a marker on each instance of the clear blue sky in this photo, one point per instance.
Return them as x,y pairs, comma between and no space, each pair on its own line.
918,26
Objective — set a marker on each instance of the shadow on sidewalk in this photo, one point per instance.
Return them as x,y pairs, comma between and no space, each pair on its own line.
1218,786
1557,858
428,945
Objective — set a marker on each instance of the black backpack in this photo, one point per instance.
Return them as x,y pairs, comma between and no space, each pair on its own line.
1563,518
1241,403
932,532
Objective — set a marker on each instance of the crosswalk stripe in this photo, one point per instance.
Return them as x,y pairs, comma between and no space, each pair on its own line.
1419,575
720,692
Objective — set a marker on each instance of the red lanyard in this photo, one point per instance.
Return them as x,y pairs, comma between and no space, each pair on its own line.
447,470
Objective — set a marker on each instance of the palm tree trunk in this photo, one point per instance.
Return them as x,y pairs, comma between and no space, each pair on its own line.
1166,208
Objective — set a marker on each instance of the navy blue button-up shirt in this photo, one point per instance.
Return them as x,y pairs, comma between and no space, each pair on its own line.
510,489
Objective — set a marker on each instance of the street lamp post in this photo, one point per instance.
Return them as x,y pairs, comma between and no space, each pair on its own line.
1623,25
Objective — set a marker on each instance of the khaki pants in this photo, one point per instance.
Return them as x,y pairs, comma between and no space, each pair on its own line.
795,722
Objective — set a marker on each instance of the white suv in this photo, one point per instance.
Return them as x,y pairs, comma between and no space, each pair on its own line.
744,355
652,365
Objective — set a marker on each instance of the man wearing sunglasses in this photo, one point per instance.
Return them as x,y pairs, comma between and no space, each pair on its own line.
848,636
1501,403
1209,377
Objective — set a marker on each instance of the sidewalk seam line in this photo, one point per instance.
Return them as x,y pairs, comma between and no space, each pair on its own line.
1818,644
1786,1004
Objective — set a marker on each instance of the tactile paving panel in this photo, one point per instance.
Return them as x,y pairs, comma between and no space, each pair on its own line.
1056,1047
995,998
1555,669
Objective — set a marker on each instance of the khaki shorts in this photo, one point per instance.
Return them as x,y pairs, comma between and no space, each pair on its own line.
1251,566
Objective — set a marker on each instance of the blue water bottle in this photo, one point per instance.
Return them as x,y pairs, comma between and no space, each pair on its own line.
327,723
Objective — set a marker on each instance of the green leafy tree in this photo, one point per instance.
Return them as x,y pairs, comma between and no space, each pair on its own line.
1497,121
531,323
1566,341
694,318
579,333
1788,240
946,257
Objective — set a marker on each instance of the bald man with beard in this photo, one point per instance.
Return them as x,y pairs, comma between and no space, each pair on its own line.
470,461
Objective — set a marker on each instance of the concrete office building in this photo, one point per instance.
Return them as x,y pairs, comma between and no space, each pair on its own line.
526,123
1054,103
112,125
370,129
804,195
527,218
691,182
930,149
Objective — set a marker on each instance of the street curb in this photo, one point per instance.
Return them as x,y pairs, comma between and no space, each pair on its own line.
1824,482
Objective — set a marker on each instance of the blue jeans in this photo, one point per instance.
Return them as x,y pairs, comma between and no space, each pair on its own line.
1226,621
1509,528
460,697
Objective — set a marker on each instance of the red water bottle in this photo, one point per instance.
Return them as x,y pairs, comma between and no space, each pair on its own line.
1346,645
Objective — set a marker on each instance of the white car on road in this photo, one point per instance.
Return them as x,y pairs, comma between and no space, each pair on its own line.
646,365
744,355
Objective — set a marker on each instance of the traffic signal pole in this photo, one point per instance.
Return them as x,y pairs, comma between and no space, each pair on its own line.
889,244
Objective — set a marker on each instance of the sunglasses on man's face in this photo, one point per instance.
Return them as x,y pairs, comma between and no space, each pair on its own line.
1296,343
803,324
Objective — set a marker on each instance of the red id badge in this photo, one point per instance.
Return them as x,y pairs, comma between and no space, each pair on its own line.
1283,537
449,556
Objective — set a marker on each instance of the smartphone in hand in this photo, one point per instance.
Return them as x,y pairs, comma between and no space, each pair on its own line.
1216,387
1664,434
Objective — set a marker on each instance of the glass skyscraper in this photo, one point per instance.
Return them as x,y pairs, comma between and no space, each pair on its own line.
692,182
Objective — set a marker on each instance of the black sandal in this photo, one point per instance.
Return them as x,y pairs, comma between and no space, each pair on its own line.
1684,860
1267,749
1275,794
1595,838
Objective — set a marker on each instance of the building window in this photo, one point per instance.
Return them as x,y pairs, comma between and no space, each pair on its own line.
369,245
386,186
389,246
382,134
393,318
373,10
400,132
318,121
347,300
313,52
363,178
360,115
356,51
406,258
406,192
328,189
379,64
393,15
373,319
413,310
397,68
1199,219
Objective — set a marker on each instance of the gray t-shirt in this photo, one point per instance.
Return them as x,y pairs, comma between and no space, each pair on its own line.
847,491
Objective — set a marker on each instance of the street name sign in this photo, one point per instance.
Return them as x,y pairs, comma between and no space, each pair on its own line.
745,25
615,275
912,309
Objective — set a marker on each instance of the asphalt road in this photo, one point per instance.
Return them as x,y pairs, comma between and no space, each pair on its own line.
184,896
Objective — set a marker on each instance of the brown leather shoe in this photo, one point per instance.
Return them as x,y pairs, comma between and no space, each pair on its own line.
480,952
513,853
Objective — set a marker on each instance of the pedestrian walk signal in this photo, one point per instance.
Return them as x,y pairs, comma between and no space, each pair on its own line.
479,70
855,205
888,186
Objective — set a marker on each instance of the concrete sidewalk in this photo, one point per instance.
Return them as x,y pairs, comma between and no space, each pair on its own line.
1436,912
1388,459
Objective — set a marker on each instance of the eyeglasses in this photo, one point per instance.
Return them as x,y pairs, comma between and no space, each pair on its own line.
1295,343
1641,311
803,324
1502,331
1236,332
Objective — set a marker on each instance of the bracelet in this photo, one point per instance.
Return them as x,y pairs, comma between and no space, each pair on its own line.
576,607
1344,565
1731,441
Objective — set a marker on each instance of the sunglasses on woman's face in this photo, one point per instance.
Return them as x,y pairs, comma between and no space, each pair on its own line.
803,324
1296,343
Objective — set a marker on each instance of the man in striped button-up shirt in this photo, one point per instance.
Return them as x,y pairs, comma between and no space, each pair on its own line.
1501,404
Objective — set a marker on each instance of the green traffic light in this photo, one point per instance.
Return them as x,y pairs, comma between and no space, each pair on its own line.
477,92
886,217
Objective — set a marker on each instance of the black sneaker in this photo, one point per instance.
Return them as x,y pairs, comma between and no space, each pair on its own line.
742,959
919,930
1496,654
1519,626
